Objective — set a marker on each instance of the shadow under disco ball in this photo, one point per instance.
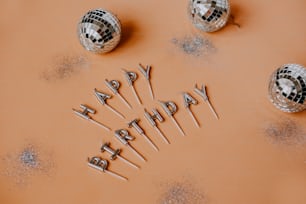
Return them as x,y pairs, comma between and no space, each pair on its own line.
99,31
287,88
209,15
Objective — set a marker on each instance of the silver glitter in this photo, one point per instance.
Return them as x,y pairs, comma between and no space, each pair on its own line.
209,15
287,88
194,45
65,66
181,192
285,132
99,31
28,158
30,161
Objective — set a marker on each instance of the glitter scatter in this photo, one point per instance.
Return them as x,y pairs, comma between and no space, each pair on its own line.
181,192
285,132
22,165
28,158
65,66
194,45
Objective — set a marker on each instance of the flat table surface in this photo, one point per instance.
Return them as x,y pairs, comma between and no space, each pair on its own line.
253,154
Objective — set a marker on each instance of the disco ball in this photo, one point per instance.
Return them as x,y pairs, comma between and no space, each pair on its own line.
99,31
287,88
209,15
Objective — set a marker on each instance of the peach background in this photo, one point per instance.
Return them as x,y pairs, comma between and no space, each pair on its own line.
229,159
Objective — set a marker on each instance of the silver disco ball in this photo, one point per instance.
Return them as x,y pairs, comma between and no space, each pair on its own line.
209,15
287,88
99,31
